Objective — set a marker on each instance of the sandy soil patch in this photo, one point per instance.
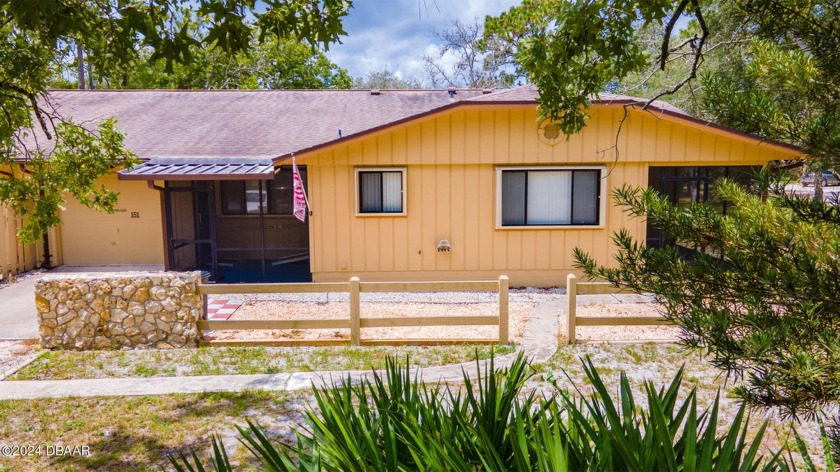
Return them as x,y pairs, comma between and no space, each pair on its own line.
287,309
16,353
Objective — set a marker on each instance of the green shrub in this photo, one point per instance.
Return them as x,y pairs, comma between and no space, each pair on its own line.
395,423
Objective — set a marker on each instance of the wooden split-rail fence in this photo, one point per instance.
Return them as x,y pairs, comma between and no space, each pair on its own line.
356,320
575,288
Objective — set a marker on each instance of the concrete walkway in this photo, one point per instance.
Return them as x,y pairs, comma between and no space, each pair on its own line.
31,389
539,342
18,319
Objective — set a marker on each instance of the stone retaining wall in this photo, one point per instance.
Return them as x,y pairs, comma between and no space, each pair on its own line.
118,310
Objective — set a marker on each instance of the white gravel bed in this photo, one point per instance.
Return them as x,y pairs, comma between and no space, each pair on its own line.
621,333
335,309
450,304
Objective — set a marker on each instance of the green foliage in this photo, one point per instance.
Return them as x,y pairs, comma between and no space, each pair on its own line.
572,50
193,463
769,67
36,37
36,187
385,80
396,423
777,73
273,63
615,434
759,292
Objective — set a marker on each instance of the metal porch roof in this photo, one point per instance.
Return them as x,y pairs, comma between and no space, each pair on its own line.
201,169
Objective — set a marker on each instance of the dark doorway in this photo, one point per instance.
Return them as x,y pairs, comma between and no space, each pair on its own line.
691,184
190,225
238,230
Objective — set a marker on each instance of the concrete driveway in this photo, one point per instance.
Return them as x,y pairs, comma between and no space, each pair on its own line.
18,319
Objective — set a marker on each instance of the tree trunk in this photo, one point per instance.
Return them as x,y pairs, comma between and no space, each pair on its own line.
90,76
80,58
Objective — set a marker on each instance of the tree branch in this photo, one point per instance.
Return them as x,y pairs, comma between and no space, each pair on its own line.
697,47
33,100
666,36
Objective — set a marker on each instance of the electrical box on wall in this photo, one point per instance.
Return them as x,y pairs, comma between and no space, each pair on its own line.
444,246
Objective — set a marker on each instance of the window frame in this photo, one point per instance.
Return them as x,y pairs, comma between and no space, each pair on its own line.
602,185
358,193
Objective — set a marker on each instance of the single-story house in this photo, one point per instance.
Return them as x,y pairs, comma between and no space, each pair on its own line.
402,184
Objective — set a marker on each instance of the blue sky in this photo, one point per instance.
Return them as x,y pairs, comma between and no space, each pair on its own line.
395,34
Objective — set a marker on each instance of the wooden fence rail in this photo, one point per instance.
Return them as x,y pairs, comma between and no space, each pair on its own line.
575,288
355,321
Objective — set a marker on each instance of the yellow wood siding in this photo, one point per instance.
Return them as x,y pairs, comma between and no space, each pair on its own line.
451,160
92,237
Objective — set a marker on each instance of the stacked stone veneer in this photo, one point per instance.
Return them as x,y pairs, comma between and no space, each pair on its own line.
118,310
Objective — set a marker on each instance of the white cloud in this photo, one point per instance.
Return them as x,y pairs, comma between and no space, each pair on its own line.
395,34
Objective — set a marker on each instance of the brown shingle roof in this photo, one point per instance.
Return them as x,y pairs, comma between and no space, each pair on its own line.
528,93
174,126
211,124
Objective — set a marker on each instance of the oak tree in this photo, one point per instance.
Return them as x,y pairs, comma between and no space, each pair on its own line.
44,155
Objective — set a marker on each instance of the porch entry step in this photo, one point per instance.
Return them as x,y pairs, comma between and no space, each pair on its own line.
221,309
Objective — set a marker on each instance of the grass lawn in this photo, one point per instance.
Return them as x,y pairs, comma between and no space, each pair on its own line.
136,433
60,365
133,433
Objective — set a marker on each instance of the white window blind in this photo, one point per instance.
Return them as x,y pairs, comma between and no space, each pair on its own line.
549,197
381,191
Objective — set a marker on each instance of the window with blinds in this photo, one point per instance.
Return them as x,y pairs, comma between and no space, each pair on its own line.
550,197
381,191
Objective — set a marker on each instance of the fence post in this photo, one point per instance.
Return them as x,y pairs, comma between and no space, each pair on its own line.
571,307
503,309
355,312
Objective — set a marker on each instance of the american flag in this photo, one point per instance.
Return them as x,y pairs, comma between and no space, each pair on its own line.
298,193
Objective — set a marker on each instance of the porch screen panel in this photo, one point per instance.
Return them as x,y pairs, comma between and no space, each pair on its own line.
371,192
392,192
233,197
585,198
549,197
